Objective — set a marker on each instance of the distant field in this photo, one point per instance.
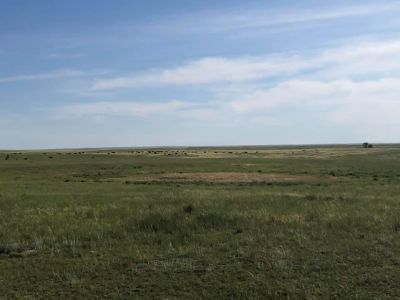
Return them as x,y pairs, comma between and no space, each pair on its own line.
306,222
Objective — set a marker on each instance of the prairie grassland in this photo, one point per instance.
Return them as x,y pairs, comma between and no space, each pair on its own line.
201,223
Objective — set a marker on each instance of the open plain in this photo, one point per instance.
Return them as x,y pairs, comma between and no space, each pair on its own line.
305,222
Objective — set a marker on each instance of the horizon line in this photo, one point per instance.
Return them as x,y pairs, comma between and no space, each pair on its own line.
198,147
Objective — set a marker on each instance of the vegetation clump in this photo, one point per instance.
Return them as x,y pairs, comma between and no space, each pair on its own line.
188,208
367,145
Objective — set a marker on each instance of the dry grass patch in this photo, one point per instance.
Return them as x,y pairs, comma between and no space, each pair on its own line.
222,177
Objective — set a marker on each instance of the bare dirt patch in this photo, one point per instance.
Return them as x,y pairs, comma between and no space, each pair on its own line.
223,177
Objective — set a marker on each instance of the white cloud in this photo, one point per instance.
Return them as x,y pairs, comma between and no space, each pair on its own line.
250,20
289,92
379,58
209,70
122,108
371,107
63,73
374,58
65,55
356,85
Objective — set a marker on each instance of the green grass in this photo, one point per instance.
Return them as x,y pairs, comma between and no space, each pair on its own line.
72,225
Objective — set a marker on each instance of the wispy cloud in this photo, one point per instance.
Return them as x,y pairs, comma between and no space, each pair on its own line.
356,85
343,62
122,108
209,70
253,19
57,74
65,55
371,107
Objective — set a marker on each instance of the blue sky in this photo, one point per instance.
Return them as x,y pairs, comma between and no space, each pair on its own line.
99,73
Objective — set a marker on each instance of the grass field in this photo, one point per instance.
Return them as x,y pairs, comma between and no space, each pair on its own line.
206,223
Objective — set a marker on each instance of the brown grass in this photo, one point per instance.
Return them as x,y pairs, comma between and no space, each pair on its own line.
223,177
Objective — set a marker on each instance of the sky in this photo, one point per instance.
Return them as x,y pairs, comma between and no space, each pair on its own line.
132,73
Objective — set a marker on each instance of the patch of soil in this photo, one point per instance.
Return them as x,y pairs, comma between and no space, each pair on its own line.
224,177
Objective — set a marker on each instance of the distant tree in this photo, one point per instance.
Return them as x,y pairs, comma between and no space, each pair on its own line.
367,145
7,157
